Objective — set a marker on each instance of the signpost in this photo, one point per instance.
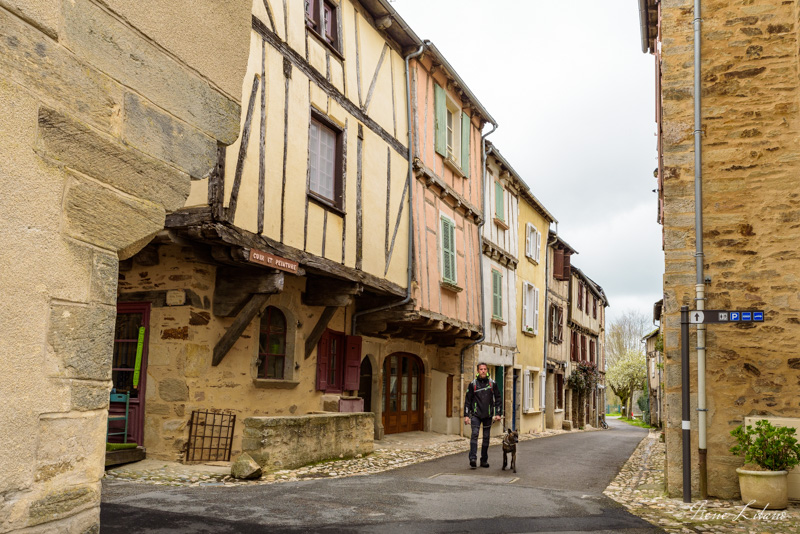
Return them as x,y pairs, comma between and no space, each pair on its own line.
700,317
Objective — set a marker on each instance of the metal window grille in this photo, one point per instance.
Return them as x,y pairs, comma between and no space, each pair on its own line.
210,436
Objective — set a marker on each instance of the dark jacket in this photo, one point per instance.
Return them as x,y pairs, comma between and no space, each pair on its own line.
483,399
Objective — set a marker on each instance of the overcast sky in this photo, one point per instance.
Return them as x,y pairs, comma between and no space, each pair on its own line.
574,99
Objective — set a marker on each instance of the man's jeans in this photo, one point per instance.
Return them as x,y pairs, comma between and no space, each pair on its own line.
473,442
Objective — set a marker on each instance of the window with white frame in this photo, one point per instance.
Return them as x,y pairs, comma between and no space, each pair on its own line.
448,243
453,130
530,308
325,161
530,378
533,243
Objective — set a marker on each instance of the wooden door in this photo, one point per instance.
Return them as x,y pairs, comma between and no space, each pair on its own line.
132,325
402,393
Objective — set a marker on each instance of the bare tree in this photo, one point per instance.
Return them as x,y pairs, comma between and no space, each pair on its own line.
625,334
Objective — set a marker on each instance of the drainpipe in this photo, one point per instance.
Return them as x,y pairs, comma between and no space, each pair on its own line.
700,297
547,324
410,266
643,23
484,155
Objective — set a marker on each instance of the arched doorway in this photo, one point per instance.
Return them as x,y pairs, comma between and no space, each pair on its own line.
365,384
402,393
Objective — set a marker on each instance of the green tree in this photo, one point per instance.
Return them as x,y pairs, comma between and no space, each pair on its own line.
626,375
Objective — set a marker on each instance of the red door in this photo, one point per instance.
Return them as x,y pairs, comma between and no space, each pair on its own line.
402,393
133,324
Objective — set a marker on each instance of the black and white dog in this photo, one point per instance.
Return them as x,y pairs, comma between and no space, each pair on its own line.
510,439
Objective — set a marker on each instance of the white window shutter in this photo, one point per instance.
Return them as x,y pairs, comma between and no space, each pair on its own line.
524,306
538,237
528,243
535,310
526,386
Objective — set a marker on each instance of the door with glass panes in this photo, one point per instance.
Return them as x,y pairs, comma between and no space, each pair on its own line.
129,367
402,393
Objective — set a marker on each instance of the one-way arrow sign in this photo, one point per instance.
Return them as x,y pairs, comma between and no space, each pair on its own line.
724,316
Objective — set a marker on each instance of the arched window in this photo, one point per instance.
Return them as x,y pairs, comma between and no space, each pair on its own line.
272,344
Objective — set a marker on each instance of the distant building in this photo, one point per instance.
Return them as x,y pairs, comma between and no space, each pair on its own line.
558,335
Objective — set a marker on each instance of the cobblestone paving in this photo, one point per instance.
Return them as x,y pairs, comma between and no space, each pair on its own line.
397,453
639,487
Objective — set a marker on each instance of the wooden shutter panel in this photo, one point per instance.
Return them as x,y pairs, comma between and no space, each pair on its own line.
528,236
448,251
538,237
497,300
352,366
558,265
535,310
465,136
499,201
323,355
526,386
440,125
567,266
524,306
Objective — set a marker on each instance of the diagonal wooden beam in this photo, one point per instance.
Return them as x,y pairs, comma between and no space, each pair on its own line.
245,317
319,329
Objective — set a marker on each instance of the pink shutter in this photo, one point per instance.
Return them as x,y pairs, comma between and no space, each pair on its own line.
352,366
323,356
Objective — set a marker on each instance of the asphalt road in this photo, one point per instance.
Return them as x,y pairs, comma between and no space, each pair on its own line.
557,488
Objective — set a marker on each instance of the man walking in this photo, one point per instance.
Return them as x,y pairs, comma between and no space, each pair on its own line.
482,405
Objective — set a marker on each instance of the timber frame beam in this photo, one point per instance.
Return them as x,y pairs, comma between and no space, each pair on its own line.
253,307
319,329
330,292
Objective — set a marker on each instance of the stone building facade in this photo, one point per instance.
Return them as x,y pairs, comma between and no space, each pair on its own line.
750,207
87,179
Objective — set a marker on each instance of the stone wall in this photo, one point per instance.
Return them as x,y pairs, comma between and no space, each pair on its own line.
751,209
290,442
106,118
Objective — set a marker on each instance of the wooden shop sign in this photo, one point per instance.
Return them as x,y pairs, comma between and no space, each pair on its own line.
270,260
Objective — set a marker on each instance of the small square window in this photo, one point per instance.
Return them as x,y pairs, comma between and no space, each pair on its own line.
322,17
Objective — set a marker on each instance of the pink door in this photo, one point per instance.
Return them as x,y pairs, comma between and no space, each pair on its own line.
130,340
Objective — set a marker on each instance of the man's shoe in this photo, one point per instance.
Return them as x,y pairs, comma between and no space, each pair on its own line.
484,464
472,464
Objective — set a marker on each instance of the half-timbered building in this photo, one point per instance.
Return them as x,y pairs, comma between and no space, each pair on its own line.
559,258
259,299
586,325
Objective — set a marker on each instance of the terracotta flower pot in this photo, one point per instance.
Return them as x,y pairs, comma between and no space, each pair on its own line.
768,489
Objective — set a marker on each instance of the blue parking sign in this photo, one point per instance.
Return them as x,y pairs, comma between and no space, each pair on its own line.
734,316
758,316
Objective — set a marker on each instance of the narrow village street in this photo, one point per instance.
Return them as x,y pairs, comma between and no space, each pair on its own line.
554,489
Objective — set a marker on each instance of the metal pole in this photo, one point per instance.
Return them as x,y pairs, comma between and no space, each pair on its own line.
685,408
700,297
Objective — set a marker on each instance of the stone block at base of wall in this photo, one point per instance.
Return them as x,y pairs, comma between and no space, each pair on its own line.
566,425
290,442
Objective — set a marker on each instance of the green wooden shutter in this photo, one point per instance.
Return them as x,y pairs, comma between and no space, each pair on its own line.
497,293
499,205
448,251
465,136
440,126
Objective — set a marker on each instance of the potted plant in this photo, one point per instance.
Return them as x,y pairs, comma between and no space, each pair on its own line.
769,454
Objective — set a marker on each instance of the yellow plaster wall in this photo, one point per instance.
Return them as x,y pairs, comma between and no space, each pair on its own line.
531,347
387,108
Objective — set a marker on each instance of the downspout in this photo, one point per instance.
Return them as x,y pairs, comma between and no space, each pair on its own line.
700,297
410,184
547,325
484,154
643,25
